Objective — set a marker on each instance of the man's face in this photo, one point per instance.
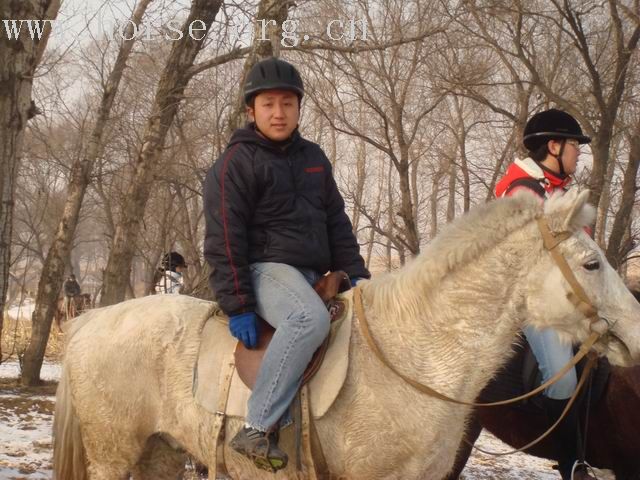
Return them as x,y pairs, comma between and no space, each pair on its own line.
276,113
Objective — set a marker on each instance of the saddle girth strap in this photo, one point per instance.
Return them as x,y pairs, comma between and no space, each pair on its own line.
219,422
316,464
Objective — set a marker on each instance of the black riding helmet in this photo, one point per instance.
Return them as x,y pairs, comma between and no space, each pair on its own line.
172,260
272,74
551,125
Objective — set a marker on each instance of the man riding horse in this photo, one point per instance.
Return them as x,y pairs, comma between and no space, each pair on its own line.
276,223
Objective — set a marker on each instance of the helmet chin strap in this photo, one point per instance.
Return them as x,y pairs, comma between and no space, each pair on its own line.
558,157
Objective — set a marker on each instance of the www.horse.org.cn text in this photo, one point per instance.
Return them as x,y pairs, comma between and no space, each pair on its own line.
336,30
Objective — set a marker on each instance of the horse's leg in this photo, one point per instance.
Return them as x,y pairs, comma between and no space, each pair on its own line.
110,454
106,471
472,433
159,461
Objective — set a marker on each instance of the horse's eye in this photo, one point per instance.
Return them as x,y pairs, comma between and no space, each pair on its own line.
595,265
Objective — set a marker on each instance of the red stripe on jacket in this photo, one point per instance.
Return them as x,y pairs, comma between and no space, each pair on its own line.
224,223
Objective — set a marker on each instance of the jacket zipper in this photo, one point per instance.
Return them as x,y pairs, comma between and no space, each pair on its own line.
293,177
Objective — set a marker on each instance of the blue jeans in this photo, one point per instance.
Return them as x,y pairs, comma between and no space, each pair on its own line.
286,300
552,356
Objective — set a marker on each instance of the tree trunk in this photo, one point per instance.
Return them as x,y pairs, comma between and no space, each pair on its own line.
375,221
390,219
600,149
169,94
361,177
54,266
412,237
615,251
451,204
461,137
433,203
605,203
268,12
19,58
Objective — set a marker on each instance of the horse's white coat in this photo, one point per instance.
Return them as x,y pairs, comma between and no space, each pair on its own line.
447,319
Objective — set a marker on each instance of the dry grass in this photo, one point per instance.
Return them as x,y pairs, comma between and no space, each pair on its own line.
16,335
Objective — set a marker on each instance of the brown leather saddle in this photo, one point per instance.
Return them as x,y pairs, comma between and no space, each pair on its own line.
248,360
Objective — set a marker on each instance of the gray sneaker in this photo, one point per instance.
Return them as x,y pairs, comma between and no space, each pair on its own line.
261,448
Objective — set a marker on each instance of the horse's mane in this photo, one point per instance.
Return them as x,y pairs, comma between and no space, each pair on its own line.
463,241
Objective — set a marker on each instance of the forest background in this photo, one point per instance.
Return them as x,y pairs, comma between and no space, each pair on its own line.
109,122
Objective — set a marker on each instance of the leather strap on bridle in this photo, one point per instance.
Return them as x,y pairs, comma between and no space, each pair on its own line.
578,297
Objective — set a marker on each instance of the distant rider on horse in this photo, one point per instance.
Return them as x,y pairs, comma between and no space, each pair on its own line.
71,289
169,277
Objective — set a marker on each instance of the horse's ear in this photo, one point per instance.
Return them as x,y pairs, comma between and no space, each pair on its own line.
580,213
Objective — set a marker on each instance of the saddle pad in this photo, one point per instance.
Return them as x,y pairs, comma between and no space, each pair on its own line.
217,346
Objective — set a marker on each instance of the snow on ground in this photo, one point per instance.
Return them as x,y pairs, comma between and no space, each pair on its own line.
50,371
25,427
25,440
22,311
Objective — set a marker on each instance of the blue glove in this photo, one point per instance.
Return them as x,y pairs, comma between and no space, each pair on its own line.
244,327
355,280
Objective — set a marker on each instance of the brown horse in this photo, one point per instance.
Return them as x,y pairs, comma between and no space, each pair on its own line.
78,304
612,435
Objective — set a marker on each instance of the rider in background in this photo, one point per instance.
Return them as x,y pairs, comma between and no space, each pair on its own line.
168,277
276,223
553,140
71,289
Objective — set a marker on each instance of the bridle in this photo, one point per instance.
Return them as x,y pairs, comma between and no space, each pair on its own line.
576,296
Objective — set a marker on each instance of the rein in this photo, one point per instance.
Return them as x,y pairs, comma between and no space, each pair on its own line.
591,361
578,297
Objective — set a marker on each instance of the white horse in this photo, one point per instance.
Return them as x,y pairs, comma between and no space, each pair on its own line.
447,319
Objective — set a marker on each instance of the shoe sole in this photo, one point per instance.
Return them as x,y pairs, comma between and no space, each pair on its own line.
269,464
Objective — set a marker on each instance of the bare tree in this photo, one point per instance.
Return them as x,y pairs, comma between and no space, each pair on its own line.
19,58
169,93
58,255
616,249
392,88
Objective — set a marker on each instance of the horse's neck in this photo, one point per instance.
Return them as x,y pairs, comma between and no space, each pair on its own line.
464,329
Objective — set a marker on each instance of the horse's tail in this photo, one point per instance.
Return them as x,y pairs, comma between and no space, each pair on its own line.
68,450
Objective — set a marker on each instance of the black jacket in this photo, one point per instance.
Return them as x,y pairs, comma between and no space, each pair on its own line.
268,201
71,288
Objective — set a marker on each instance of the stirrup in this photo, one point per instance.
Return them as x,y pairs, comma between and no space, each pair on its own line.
582,468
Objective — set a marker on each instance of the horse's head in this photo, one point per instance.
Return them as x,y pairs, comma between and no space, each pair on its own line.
549,289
